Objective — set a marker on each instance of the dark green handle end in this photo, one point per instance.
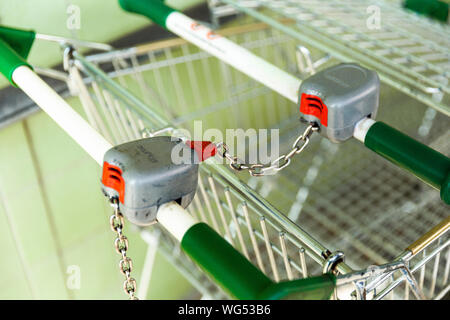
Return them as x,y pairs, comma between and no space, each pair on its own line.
155,10
425,163
10,61
15,45
314,288
230,269
19,40
435,9
445,190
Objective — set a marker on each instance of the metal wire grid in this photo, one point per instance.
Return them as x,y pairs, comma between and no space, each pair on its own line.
359,203
430,268
337,192
409,52
177,66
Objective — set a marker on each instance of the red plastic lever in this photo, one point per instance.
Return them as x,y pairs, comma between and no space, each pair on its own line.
112,178
314,106
204,149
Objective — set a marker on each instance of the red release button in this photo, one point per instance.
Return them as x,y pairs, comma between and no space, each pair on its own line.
112,178
313,105
204,149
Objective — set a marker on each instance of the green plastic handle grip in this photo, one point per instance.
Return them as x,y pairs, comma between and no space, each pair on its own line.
155,10
19,40
15,46
435,9
425,163
239,277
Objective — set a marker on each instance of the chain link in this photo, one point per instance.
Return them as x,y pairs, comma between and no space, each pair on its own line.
278,164
116,222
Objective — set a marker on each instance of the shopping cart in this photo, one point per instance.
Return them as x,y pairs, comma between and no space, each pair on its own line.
334,192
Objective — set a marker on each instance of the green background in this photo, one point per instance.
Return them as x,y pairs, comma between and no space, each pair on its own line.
100,20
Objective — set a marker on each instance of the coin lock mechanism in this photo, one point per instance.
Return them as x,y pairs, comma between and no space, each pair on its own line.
144,175
339,97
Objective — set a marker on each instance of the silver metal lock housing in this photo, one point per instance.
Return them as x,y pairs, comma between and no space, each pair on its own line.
338,97
143,176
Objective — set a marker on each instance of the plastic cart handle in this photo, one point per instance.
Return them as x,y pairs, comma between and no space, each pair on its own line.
435,9
15,45
155,10
425,163
240,278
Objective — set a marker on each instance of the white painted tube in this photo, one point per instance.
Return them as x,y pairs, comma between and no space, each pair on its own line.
62,113
235,55
175,219
362,127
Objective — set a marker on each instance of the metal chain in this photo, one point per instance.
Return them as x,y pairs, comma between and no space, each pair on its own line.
116,222
278,164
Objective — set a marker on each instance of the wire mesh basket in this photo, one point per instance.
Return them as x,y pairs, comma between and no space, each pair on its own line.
291,225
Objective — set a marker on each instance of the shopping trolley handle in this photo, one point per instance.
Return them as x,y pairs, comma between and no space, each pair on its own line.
434,9
15,45
239,277
155,10
427,164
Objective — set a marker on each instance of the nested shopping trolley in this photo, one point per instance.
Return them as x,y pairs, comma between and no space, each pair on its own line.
339,221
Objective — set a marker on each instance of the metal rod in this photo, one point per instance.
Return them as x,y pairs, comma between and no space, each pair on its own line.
429,237
74,42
